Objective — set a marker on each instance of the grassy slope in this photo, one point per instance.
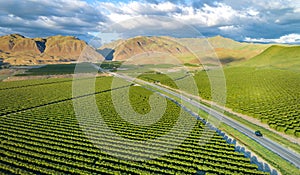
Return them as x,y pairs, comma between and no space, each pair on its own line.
227,50
278,57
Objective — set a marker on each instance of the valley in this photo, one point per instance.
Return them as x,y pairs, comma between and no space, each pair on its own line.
258,85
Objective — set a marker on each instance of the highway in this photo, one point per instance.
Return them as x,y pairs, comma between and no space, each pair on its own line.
278,149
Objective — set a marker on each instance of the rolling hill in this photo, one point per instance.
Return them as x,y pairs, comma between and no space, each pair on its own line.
16,49
227,50
184,49
284,57
143,49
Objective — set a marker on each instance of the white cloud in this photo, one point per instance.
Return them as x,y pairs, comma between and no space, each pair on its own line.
229,28
50,17
230,18
139,8
5,31
116,17
219,14
290,38
253,12
227,17
262,4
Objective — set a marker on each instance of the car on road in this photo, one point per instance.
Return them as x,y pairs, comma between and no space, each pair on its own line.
258,133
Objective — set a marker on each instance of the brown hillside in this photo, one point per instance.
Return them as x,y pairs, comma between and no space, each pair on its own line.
146,46
207,50
18,43
64,46
18,50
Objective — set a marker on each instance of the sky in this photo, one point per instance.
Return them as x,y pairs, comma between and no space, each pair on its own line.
267,21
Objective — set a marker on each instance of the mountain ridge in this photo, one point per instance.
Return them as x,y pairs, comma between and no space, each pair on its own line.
194,49
16,49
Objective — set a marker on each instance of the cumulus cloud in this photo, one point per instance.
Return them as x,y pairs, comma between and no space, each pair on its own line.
236,19
229,28
220,14
209,19
50,17
290,38
203,18
207,15
122,11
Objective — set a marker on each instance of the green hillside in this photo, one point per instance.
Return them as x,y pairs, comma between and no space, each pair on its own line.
277,57
227,50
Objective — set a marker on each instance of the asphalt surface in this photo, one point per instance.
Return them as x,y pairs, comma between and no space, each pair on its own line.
278,149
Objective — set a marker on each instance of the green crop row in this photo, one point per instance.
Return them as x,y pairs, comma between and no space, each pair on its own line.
26,97
48,138
270,95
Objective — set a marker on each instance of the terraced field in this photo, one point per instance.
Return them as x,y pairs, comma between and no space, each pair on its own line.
40,134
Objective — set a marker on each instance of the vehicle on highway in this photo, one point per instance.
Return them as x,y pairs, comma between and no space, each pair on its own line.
258,133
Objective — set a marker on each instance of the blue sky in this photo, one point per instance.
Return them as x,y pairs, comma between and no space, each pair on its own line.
275,21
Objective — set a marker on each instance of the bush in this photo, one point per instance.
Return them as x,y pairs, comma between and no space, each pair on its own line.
273,126
264,120
281,128
290,131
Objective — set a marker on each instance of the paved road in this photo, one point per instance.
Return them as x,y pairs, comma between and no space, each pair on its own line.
282,151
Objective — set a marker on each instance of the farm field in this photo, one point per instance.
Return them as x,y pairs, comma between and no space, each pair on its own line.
40,134
271,95
135,87
55,69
